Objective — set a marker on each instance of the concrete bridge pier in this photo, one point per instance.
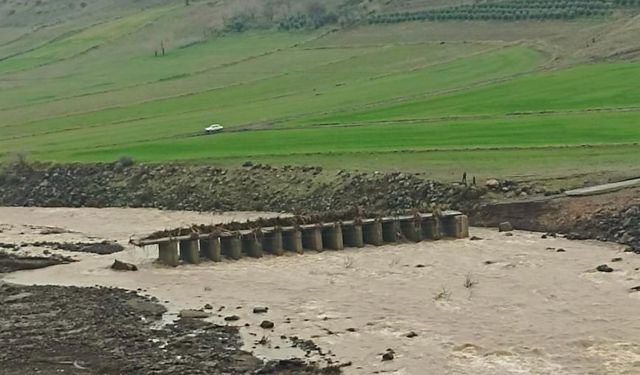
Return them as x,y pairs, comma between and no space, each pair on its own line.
456,226
352,235
332,237
210,249
462,226
356,233
431,227
168,253
412,229
391,230
252,244
231,246
189,251
272,241
312,237
372,232
292,240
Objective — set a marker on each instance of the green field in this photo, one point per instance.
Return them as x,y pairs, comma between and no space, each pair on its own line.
414,97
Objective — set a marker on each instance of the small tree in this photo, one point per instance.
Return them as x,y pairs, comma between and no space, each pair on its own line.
317,14
237,23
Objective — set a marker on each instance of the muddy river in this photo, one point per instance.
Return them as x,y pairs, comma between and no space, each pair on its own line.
500,304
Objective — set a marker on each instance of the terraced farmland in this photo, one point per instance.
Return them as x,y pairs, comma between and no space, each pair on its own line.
415,97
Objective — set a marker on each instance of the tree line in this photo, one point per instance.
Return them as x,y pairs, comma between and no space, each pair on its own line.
512,10
290,15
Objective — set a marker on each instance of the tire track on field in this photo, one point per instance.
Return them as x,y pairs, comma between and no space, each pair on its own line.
72,33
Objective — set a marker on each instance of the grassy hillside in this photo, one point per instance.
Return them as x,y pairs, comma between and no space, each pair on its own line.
526,99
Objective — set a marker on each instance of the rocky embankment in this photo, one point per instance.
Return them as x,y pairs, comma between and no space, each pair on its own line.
622,226
610,216
206,188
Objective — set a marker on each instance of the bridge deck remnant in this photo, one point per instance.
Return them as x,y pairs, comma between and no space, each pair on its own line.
358,233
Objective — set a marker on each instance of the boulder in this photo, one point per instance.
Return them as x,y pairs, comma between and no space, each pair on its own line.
388,356
505,227
604,268
267,324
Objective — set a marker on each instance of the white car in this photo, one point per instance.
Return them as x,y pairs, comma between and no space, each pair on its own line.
215,128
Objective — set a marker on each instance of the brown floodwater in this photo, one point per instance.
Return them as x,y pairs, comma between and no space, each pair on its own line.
529,309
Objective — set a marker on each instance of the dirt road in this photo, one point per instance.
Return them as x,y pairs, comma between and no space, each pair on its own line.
498,305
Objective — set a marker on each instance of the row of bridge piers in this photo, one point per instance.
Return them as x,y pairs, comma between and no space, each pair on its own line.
310,237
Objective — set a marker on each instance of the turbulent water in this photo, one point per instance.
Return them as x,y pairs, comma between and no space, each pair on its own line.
498,305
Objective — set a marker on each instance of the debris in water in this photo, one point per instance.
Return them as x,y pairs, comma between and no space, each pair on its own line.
604,268
123,266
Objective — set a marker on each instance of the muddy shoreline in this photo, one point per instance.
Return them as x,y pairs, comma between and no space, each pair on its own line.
54,329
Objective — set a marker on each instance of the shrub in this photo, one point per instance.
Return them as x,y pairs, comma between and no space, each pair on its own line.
19,161
125,162
238,23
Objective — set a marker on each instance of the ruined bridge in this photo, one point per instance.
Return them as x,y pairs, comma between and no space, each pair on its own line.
220,243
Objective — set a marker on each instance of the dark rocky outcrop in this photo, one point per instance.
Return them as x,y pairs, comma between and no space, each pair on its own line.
15,262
